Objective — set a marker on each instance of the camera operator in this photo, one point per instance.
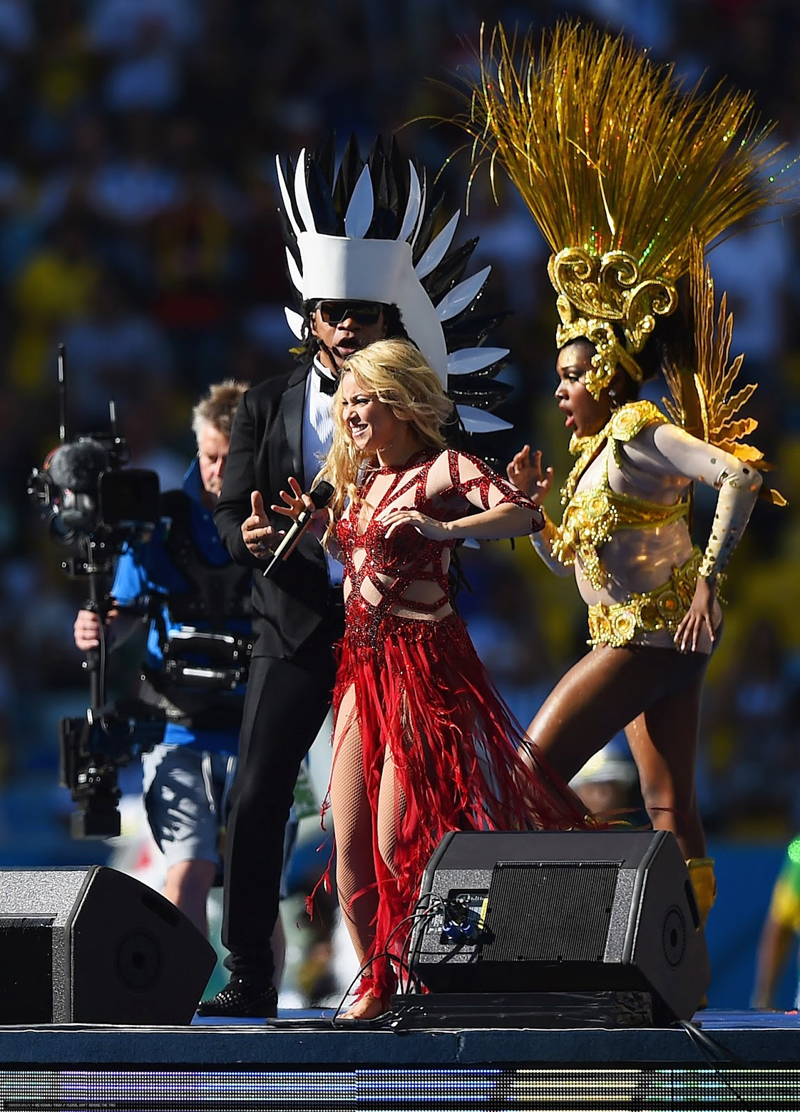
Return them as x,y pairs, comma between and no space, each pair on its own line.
197,603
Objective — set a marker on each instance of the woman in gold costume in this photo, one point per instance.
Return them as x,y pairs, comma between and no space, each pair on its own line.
629,178
654,616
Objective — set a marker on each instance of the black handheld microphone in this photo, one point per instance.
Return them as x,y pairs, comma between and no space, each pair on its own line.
320,496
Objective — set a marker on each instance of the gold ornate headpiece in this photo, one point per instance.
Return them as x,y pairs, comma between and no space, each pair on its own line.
594,294
620,169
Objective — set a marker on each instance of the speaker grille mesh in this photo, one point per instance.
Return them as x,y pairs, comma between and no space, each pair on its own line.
549,912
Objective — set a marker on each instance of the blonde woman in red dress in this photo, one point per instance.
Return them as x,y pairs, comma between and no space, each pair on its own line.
423,743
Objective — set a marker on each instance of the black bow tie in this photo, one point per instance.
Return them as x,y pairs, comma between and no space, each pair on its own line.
326,384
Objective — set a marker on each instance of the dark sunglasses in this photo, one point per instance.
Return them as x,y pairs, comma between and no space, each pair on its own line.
360,312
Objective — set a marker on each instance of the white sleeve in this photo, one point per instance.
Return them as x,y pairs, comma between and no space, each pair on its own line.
737,482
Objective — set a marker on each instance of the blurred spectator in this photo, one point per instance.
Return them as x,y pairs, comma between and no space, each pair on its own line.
142,42
504,626
148,424
136,185
114,353
19,231
608,784
759,308
51,290
780,931
194,258
66,186
754,708
62,72
16,38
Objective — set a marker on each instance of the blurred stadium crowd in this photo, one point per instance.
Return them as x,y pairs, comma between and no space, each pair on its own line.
138,226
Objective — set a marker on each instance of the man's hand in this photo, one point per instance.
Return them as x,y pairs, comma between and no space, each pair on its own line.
87,629
525,472
257,533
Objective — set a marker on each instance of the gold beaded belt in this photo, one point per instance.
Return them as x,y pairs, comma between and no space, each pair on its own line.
661,608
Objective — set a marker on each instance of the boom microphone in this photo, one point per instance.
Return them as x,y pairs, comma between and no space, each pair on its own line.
320,496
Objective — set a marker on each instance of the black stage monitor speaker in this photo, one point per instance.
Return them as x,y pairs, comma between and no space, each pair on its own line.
93,945
539,912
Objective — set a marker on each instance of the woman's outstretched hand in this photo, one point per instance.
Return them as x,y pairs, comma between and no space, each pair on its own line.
525,472
699,616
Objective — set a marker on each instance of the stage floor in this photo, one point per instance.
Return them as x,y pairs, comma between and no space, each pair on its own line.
741,1060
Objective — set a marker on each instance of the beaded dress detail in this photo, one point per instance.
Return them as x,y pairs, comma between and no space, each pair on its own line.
410,680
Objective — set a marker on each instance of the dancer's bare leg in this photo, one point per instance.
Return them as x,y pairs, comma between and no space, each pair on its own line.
663,741
655,693
592,702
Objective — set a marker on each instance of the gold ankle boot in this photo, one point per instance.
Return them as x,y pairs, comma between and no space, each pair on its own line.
704,884
701,874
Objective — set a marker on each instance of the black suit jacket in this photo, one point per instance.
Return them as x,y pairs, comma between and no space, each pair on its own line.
265,449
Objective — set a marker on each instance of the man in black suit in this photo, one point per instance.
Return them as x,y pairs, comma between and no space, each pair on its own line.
283,426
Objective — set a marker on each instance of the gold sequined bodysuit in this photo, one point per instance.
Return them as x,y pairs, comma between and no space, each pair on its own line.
593,516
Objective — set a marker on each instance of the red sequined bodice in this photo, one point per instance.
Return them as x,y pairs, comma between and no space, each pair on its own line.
405,575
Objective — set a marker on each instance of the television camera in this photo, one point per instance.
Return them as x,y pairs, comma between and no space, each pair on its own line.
94,505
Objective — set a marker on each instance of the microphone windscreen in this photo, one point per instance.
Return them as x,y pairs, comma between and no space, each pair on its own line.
322,494
78,466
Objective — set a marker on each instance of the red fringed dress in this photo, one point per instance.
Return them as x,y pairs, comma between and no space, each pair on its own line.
421,690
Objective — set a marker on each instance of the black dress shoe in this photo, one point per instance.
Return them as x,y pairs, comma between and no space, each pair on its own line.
242,1000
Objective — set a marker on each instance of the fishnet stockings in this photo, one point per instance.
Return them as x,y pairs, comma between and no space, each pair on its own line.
353,825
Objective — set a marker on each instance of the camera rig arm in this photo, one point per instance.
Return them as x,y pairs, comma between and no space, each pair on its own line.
94,506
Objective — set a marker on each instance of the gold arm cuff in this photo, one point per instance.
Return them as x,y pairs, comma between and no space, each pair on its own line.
542,540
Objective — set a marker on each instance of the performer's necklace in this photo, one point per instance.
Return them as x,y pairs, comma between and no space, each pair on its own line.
586,448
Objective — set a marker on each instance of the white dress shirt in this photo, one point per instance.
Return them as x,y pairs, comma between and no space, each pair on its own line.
317,437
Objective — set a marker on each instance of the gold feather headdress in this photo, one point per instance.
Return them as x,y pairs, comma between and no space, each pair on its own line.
621,169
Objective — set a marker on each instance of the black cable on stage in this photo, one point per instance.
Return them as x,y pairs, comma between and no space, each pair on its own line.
417,913
420,912
412,980
714,1053
385,1020
393,958
705,1043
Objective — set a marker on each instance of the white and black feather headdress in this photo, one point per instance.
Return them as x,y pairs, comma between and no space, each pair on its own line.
365,232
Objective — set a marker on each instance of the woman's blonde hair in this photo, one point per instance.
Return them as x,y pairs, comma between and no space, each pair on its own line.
397,374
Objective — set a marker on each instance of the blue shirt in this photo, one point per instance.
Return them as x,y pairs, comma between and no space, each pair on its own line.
146,569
